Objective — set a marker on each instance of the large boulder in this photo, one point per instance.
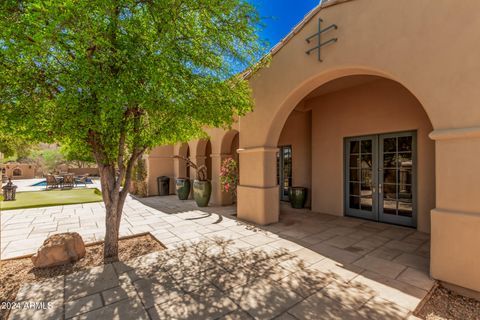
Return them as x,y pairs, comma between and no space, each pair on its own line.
59,249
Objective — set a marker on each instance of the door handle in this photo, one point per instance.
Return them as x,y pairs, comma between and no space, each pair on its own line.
380,188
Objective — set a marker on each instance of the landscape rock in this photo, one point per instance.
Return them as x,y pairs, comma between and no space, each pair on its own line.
59,249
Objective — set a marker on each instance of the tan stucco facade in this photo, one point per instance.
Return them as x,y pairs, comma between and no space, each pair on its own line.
16,171
425,60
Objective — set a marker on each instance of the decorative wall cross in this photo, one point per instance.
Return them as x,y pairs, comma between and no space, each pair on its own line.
318,35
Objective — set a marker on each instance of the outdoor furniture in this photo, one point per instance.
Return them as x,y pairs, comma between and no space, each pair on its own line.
52,182
68,181
82,180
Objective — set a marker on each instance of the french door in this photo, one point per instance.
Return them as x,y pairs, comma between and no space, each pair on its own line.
284,171
380,175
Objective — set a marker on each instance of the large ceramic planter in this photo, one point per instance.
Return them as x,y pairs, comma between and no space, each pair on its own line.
183,188
298,197
202,190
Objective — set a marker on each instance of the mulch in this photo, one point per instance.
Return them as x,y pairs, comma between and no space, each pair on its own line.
442,304
15,272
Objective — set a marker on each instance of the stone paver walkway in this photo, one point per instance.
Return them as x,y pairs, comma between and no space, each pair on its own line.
307,266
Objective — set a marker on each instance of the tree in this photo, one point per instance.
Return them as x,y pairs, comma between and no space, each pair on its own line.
13,145
76,155
118,77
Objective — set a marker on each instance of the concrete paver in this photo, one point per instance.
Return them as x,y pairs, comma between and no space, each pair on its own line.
307,266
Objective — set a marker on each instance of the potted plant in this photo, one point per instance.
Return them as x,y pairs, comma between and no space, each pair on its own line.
298,197
229,177
182,186
202,188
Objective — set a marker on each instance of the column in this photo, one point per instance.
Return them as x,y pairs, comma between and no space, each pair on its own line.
455,232
258,192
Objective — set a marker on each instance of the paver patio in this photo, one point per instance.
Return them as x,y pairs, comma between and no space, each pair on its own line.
307,266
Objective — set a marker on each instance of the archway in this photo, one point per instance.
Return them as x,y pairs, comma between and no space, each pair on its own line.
203,156
183,170
17,172
389,184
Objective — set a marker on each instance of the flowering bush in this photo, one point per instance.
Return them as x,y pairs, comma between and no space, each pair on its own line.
229,176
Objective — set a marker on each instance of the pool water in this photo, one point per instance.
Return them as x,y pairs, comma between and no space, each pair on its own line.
44,183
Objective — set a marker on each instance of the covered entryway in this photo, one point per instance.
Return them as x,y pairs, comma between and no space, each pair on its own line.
380,176
360,145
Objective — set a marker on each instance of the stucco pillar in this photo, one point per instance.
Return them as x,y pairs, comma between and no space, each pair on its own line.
219,197
258,193
455,235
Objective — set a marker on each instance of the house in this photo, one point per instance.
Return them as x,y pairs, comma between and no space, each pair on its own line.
380,121
18,170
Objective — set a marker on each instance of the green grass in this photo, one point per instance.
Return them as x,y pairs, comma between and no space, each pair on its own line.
38,199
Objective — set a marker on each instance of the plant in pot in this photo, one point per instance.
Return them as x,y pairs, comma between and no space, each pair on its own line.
202,188
229,177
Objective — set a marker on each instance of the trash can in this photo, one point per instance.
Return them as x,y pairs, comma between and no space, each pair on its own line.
163,186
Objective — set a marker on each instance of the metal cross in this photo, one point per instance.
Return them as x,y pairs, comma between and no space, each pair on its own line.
319,38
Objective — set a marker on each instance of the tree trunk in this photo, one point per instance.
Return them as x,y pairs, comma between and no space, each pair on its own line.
114,198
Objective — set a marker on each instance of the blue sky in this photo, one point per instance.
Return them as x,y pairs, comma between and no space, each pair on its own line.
280,16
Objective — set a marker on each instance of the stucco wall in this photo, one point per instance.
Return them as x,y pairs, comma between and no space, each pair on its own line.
160,163
378,107
297,133
28,171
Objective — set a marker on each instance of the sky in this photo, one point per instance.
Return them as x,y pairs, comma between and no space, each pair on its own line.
280,16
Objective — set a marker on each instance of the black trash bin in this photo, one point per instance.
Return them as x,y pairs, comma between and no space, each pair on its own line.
163,186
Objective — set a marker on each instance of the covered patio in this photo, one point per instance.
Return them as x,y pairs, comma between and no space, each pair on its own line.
307,266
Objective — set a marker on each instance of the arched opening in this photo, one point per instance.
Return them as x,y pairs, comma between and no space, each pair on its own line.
183,169
230,144
17,172
360,145
204,152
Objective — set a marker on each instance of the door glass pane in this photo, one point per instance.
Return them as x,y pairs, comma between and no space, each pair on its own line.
366,176
405,144
405,192
389,176
366,146
390,207
366,189
354,175
405,209
354,188
354,161
390,145
366,204
354,202
354,146
390,191
390,160
367,161
284,175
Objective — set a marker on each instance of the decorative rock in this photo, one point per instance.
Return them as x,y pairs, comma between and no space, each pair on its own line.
59,249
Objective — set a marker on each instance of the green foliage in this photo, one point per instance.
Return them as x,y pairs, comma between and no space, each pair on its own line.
13,146
47,160
120,77
77,155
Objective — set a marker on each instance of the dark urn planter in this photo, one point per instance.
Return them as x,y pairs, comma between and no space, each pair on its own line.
183,188
202,190
298,197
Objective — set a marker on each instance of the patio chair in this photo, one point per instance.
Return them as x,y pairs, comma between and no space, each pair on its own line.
52,182
82,179
68,181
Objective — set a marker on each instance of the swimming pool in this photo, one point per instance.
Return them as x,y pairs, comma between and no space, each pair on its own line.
77,181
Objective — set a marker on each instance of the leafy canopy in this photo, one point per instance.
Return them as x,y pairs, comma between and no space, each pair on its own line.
122,76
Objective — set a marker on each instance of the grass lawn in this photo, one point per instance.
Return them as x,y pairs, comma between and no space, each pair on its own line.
36,199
